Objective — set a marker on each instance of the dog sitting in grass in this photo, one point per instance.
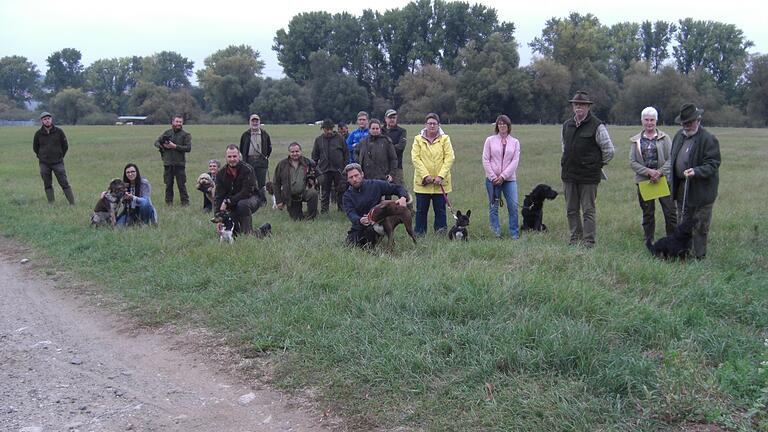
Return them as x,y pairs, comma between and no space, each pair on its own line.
459,231
533,207
675,246
225,226
386,216
108,206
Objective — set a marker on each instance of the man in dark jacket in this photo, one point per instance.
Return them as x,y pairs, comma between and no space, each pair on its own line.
376,154
398,136
50,145
695,161
236,190
587,147
331,154
295,184
256,147
173,145
360,198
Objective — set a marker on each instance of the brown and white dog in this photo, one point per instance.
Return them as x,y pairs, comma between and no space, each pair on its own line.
105,212
386,216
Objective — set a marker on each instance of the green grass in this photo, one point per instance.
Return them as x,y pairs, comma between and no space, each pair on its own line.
569,338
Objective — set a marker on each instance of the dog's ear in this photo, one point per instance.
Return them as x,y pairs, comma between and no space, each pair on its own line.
458,213
469,212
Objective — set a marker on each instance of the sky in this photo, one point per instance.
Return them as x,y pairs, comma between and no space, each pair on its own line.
108,29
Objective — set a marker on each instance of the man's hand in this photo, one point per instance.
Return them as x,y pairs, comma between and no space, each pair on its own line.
170,145
365,221
224,205
389,178
438,181
401,202
280,206
689,172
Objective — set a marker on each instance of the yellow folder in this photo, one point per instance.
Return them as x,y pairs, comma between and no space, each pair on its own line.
650,191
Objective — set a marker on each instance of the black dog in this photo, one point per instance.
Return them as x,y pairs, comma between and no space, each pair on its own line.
459,231
675,246
533,207
225,226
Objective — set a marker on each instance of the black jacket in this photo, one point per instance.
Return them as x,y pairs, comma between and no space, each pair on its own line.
266,146
242,186
330,153
582,158
704,158
50,146
398,138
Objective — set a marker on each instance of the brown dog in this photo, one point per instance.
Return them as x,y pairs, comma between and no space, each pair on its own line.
388,214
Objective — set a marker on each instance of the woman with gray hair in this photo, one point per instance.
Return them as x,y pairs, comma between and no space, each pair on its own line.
649,157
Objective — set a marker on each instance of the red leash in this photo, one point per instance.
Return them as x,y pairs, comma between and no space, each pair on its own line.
450,207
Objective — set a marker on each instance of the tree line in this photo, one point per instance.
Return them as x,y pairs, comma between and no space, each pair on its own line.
455,59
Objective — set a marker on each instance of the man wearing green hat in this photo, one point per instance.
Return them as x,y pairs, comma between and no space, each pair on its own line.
50,145
695,163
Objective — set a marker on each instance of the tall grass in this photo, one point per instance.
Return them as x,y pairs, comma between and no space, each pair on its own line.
485,335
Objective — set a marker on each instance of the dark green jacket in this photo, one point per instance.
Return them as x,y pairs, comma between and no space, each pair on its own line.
582,158
330,153
183,141
704,158
50,146
398,136
377,156
282,180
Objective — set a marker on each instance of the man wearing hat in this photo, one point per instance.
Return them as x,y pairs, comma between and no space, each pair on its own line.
397,135
695,162
587,147
50,145
256,146
331,154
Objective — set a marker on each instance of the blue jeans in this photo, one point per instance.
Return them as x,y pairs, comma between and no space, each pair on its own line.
509,189
143,212
422,208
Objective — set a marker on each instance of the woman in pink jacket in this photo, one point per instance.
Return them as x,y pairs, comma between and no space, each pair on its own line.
501,154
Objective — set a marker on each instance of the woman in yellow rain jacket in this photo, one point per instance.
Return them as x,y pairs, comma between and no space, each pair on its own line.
433,157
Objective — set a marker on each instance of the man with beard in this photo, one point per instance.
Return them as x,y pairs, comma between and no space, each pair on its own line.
50,145
236,191
256,146
173,145
330,153
295,184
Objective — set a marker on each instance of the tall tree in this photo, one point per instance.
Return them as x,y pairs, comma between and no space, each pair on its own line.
665,91
64,70
18,79
757,90
573,40
430,89
550,88
307,32
491,82
334,95
283,101
159,103
71,105
656,38
231,78
168,69
111,80
625,47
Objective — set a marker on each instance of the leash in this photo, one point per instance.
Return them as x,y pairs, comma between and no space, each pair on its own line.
685,198
448,202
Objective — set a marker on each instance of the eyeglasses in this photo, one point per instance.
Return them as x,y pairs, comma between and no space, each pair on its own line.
431,124
131,172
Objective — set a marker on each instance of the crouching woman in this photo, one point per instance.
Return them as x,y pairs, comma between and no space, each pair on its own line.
138,206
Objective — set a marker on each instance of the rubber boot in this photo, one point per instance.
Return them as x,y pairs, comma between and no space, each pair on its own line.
70,196
50,196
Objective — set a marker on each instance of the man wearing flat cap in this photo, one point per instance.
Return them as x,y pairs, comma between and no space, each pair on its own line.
695,163
256,146
50,145
331,154
587,148
398,136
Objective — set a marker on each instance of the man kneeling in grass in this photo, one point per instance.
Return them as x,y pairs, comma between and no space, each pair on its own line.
361,196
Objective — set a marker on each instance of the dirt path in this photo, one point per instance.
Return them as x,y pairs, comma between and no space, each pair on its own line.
68,365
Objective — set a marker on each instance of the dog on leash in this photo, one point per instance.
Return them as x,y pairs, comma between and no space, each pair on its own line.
387,215
107,207
675,246
459,231
225,226
533,207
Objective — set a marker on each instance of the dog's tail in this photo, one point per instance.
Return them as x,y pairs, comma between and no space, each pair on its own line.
649,245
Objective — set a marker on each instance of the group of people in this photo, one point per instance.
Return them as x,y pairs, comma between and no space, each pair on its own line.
356,169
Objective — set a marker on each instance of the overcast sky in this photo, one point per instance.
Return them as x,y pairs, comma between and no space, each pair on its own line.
107,29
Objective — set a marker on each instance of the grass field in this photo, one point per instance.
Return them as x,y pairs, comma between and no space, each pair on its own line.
527,335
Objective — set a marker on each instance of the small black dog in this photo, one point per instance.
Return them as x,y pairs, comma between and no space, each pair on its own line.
533,207
675,246
459,231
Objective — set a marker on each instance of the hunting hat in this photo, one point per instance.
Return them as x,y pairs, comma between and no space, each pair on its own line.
254,116
327,124
688,112
45,114
581,97
390,112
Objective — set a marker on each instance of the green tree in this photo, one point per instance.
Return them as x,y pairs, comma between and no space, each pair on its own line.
602,89
491,82
625,47
307,32
666,91
656,38
231,78
573,40
159,103
430,89
18,79
550,88
111,80
64,70
283,101
168,69
757,90
334,95
71,105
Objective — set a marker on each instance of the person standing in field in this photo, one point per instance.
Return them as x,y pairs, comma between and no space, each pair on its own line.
358,134
50,146
376,154
343,131
432,155
330,153
501,155
695,164
398,136
256,147
649,159
587,148
173,145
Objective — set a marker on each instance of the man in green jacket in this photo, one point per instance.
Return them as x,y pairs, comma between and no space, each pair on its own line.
294,184
695,163
50,145
173,145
